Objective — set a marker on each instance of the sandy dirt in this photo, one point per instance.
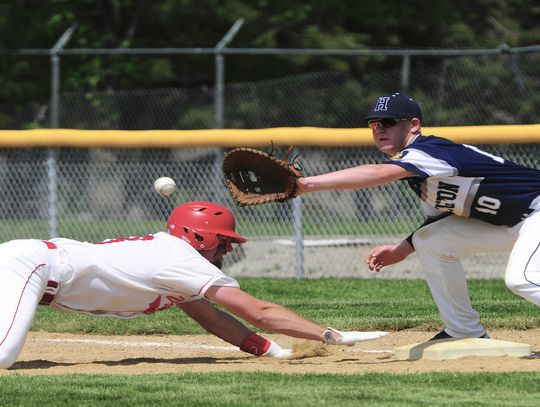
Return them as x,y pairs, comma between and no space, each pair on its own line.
46,353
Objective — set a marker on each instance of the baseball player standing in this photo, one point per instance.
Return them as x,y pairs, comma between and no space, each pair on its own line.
128,277
474,202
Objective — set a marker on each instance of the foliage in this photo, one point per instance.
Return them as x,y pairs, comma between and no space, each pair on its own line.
348,24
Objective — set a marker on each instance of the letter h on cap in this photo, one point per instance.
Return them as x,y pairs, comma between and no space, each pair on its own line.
382,104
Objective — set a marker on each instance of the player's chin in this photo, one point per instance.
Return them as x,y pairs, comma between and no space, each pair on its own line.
386,148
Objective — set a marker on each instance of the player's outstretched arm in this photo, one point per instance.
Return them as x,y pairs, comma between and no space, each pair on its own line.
216,322
231,330
276,318
264,314
363,176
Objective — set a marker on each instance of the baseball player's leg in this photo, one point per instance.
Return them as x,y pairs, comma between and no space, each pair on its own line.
24,276
439,247
523,271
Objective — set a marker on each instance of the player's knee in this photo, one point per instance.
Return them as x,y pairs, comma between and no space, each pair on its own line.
516,283
523,288
511,282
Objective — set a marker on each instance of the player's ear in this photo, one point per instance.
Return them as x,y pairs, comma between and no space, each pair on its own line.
415,125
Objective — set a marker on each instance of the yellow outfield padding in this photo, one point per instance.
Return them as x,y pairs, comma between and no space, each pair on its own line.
279,136
503,134
185,138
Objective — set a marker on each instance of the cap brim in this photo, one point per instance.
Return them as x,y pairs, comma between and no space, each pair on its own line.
235,237
381,116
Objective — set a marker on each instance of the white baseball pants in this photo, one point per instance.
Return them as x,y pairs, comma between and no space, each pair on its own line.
441,245
24,272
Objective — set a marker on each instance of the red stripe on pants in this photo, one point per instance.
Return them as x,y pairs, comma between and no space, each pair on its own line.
19,303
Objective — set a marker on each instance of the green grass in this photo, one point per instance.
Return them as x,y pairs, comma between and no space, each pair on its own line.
273,389
343,303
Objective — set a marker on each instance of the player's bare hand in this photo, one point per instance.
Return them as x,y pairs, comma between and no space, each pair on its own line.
385,255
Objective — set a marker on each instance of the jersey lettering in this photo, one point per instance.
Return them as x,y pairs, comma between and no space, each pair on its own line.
160,303
445,194
470,182
127,239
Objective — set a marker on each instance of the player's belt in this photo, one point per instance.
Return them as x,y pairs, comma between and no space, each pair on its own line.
52,286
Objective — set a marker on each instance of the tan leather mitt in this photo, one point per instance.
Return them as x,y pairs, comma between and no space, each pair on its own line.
255,177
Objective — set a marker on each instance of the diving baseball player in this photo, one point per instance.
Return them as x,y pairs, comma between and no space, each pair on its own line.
128,277
474,201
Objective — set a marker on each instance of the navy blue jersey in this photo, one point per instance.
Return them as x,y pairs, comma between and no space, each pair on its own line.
470,182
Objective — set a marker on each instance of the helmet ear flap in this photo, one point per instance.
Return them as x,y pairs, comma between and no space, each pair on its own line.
209,240
199,241
206,242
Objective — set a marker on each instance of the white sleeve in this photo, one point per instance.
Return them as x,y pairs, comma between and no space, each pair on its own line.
189,275
426,164
224,281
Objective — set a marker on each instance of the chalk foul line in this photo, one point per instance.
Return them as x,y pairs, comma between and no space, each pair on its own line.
184,345
104,342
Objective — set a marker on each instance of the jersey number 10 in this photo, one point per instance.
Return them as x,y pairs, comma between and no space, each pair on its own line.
487,204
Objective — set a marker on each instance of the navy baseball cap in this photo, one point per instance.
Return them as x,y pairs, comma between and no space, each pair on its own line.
395,106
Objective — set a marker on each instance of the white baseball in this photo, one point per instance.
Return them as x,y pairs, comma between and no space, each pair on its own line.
165,186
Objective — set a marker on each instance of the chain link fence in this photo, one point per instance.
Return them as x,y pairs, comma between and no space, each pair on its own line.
465,90
103,193
455,87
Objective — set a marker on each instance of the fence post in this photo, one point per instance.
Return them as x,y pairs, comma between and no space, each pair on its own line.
299,238
219,97
405,73
52,185
441,92
514,67
220,71
298,232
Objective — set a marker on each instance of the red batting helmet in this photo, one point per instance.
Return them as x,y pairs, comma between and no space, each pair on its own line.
200,223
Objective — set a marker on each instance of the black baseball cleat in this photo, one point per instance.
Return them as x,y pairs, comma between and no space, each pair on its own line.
441,335
444,335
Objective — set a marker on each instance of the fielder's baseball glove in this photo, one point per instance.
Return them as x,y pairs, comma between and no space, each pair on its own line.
255,177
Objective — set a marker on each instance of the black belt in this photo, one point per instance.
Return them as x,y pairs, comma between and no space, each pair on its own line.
52,286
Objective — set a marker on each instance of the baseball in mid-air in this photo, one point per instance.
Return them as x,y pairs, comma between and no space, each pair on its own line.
165,186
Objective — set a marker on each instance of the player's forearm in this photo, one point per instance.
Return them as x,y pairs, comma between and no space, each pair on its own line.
405,248
227,328
263,314
365,176
216,322
275,318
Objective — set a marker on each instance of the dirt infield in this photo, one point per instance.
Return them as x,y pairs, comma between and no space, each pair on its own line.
46,353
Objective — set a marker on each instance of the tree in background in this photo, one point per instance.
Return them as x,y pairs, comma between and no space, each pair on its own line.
346,24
